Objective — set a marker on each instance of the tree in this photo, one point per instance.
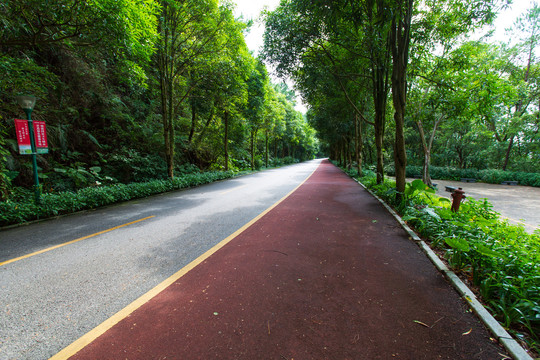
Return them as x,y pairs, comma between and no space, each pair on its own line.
126,26
189,31
44,51
334,36
118,80
254,112
528,26
274,112
400,38
494,94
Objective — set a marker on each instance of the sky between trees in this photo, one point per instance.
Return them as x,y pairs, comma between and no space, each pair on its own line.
250,9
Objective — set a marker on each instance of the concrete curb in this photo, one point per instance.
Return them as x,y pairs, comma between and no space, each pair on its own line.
510,344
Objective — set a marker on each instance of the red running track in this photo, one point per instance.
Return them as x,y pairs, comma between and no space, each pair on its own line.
327,274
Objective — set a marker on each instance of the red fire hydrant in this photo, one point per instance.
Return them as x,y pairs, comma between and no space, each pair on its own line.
457,196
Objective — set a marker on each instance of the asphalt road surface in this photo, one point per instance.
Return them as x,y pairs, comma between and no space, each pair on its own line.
327,274
116,254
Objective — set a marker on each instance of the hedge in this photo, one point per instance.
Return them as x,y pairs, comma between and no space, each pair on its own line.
15,212
490,176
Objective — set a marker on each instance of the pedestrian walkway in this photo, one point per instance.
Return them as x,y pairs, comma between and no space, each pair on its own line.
327,274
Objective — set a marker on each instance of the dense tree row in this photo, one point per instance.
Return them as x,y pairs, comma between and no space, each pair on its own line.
397,79
133,90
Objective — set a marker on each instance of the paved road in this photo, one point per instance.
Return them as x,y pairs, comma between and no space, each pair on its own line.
326,274
49,300
519,204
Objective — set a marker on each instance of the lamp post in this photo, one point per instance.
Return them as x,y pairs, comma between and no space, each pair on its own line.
27,103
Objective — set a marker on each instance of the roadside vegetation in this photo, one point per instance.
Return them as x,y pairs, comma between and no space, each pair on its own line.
501,261
137,92
489,176
415,85
21,207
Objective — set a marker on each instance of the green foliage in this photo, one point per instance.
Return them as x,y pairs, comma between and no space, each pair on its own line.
22,207
95,69
129,165
80,176
490,176
277,162
127,25
502,260
19,74
4,178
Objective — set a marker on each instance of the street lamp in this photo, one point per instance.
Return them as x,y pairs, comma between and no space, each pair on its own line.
27,103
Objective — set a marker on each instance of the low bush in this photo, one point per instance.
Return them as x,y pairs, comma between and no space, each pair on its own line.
22,208
501,260
287,160
491,176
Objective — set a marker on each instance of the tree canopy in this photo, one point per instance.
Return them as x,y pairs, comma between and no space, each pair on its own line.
138,90
348,58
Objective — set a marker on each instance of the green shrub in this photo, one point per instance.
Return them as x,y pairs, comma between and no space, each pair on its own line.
289,160
22,208
128,165
490,176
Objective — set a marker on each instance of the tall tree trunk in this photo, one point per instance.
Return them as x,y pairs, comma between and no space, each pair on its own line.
400,39
252,148
166,134
346,146
426,147
252,158
341,153
266,149
358,143
226,140
166,82
168,127
426,178
203,131
369,151
508,150
379,136
379,58
349,155
380,93
193,124
171,115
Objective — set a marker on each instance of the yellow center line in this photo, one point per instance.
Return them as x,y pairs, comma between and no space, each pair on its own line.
233,189
71,242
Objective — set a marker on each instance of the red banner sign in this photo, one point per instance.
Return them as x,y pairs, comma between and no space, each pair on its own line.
40,133
23,137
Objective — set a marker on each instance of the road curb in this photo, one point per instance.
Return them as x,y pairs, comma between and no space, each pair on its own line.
510,344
